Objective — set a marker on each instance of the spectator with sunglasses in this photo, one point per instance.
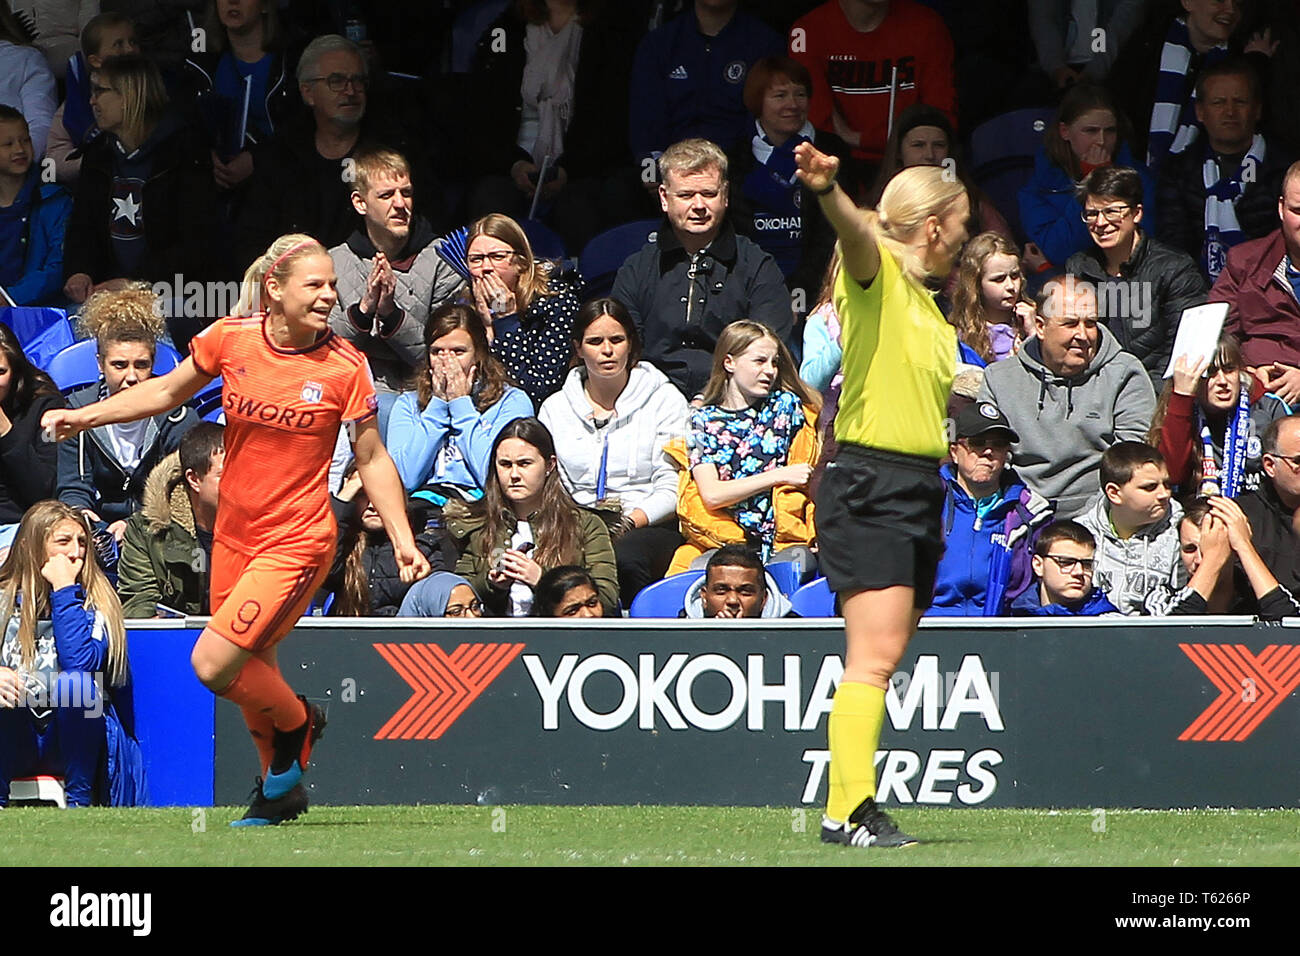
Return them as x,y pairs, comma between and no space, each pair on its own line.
1063,569
1271,510
989,520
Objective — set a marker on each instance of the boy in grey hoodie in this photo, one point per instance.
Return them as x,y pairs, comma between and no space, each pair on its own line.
1069,394
1135,521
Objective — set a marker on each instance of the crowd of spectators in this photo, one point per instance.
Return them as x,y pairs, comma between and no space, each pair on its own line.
564,449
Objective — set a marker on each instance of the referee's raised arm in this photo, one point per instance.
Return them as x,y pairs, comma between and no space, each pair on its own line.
858,249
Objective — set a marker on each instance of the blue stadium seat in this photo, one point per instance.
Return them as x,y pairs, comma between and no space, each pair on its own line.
207,400
603,255
467,29
664,598
545,241
787,574
1002,152
814,599
78,365
42,332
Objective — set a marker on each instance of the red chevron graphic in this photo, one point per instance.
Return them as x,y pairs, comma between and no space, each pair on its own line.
444,684
1251,687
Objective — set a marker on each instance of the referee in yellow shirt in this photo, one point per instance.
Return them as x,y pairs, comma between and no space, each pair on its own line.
880,503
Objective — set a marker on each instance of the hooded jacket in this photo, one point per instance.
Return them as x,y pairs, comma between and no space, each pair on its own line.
705,530
986,560
1053,218
648,414
424,281
1027,605
162,561
33,226
91,477
1144,303
681,303
1066,424
1144,573
775,604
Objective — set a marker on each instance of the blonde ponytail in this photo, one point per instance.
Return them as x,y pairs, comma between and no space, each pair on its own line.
277,261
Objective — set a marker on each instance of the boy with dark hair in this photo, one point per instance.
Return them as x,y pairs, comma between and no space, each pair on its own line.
1143,285
1063,571
1135,523
167,547
735,584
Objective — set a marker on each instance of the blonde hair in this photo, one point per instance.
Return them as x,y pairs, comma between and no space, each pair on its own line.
144,97
20,575
911,197
692,156
733,341
373,162
132,314
277,261
534,274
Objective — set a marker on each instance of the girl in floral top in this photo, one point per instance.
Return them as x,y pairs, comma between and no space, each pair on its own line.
739,441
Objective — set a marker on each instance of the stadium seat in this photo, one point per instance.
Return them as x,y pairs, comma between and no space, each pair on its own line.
664,598
41,332
1002,152
467,29
814,599
78,364
787,574
207,400
603,255
38,790
545,241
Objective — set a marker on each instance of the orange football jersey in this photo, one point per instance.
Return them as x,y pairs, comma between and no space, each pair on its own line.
283,412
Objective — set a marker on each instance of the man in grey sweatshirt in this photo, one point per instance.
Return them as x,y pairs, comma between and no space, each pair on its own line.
1070,393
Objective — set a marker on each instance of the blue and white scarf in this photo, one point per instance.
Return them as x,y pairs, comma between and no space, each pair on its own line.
1222,230
1173,117
1234,449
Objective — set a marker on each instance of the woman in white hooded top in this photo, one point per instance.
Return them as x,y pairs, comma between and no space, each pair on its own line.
611,420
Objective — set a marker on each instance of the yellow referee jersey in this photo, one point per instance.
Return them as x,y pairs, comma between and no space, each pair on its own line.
900,356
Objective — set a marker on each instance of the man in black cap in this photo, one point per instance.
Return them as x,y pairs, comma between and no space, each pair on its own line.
989,520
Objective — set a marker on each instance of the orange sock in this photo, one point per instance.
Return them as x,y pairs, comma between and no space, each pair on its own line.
260,688
260,728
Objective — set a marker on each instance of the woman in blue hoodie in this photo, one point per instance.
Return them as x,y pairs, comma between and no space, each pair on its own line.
65,686
1088,132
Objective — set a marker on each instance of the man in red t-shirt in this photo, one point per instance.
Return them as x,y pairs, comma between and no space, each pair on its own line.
868,56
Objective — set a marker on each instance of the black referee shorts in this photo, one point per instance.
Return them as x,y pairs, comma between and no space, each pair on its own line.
879,522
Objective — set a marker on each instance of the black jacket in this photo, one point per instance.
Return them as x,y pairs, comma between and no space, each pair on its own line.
1180,198
183,229
198,77
27,463
680,317
380,562
89,474
1145,327
596,140
1270,523
818,236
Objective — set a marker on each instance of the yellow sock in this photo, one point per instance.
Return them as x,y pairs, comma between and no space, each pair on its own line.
857,714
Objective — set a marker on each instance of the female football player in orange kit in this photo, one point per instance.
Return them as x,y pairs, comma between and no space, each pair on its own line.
289,384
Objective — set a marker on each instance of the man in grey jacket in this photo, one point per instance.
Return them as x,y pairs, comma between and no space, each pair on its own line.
1070,393
391,274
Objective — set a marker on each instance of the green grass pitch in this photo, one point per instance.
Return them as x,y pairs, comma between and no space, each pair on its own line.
642,836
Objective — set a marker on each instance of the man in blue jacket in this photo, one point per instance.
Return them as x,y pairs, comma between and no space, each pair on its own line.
990,517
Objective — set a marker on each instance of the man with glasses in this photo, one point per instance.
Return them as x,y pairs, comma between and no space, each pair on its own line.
1272,509
1063,568
990,517
1142,284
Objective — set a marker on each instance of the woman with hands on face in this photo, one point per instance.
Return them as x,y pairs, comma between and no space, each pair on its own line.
527,309
1208,422
441,434
526,525
65,692
1212,533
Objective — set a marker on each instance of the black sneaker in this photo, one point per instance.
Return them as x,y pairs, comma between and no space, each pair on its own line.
868,826
269,813
293,751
